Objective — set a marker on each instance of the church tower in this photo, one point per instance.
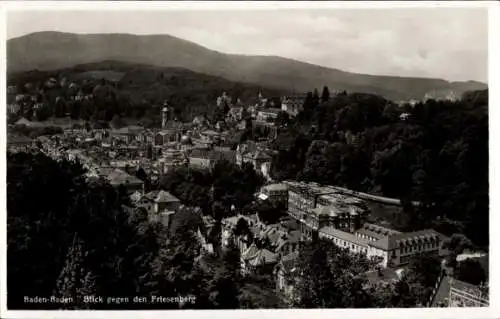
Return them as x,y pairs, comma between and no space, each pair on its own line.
164,115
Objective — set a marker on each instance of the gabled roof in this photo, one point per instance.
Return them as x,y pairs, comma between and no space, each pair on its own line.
250,253
258,155
393,241
23,121
119,177
165,197
259,257
344,236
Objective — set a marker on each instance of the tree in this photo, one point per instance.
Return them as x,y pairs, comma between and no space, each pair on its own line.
49,202
75,281
328,278
242,227
224,287
456,245
308,103
421,276
325,95
315,98
40,191
471,271
116,122
43,113
149,151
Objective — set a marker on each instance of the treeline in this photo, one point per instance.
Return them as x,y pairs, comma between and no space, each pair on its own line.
435,152
128,90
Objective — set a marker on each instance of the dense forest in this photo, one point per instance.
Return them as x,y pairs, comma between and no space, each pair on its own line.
435,152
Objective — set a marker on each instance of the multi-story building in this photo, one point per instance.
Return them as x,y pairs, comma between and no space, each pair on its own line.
259,157
276,194
268,115
118,177
171,158
318,206
323,212
207,158
292,105
161,206
392,249
235,113
211,136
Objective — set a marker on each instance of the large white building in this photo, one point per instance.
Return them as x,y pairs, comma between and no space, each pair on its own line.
392,248
325,212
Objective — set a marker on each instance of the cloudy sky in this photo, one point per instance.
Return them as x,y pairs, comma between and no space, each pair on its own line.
448,43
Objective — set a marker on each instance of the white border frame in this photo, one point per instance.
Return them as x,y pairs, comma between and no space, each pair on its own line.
493,82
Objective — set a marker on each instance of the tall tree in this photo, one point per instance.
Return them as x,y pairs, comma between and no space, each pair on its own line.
315,98
330,278
325,95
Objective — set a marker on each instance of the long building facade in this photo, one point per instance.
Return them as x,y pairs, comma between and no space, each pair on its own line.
324,212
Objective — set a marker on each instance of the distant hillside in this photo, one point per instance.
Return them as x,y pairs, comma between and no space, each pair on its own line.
190,93
55,50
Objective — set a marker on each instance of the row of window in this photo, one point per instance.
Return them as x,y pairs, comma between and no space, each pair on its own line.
366,237
419,247
345,244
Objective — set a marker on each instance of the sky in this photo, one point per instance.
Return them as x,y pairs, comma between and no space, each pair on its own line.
447,43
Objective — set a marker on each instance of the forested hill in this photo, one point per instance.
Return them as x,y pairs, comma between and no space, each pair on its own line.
132,89
55,50
434,152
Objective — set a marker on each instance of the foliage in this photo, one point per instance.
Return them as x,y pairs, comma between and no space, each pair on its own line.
241,227
269,213
439,156
226,185
116,122
35,131
421,276
329,278
325,95
75,281
471,271
71,238
456,245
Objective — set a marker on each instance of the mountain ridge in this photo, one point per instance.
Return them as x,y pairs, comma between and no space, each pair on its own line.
50,50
